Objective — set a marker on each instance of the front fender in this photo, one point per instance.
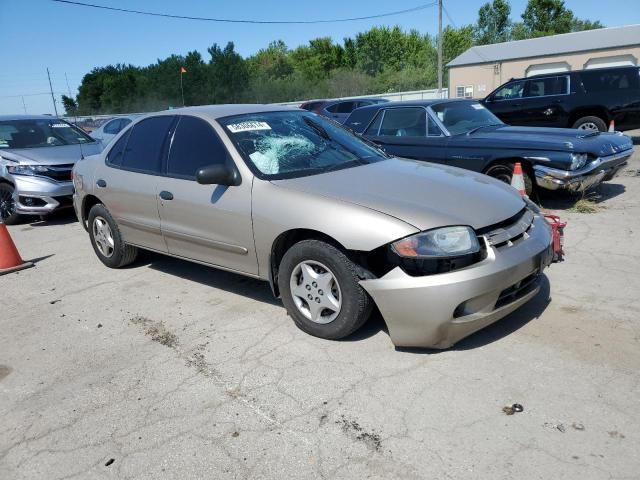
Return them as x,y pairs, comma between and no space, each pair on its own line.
276,210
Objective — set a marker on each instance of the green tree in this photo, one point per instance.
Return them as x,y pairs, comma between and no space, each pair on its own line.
70,106
228,76
493,24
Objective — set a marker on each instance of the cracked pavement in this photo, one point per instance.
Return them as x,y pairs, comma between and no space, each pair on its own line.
169,370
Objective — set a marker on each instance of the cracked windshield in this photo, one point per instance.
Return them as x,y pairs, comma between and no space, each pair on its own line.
290,144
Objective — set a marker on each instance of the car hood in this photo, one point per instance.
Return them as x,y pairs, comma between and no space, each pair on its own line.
61,155
540,138
423,194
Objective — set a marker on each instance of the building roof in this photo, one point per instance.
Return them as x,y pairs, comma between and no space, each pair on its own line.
599,39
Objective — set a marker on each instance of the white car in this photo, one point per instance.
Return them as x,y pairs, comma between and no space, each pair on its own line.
111,128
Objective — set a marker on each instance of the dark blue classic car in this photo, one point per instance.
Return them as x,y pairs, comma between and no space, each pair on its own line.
463,133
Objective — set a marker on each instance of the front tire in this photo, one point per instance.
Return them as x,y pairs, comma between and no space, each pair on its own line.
8,213
106,239
591,123
321,291
504,172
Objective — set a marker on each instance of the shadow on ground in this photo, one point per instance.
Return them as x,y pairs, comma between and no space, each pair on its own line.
209,276
62,217
502,328
566,201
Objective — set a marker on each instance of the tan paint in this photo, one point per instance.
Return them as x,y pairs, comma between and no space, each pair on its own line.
494,74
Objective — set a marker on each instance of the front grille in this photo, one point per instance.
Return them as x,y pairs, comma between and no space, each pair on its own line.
518,290
510,230
65,201
59,173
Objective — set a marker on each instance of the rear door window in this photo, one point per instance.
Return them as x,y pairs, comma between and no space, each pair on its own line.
543,87
195,145
510,91
375,125
145,145
404,122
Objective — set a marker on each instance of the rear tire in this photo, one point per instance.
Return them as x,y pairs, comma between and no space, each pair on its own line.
333,307
591,123
106,239
504,172
8,213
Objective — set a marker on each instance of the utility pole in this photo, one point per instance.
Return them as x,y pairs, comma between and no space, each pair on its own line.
439,48
53,98
68,87
24,105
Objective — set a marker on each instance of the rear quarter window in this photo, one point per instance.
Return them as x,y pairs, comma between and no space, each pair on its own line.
610,80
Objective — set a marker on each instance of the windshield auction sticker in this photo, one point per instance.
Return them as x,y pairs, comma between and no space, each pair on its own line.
248,126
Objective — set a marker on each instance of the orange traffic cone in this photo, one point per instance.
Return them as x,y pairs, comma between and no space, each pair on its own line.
517,179
612,126
10,260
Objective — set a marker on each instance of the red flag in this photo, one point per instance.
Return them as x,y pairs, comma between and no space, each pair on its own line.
183,70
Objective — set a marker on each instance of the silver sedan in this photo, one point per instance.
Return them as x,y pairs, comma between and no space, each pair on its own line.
332,223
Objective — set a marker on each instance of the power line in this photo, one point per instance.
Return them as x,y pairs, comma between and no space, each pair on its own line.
230,20
446,12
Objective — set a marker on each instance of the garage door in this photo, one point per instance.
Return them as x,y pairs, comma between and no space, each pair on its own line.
545,68
614,61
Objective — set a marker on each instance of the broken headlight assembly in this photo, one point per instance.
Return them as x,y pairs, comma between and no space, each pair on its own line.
437,251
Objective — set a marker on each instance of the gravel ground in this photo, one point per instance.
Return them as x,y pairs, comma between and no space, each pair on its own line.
172,370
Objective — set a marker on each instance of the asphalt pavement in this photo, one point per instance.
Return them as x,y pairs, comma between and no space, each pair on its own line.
168,369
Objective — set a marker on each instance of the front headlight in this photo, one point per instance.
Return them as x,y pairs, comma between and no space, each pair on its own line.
26,169
444,242
578,160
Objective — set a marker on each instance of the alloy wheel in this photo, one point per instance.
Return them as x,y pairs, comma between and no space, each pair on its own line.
7,203
589,126
103,236
316,292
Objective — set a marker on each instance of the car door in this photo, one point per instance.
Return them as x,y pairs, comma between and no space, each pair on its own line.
128,182
542,103
207,223
408,132
507,102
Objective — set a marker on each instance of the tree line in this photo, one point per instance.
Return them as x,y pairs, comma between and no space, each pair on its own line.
382,59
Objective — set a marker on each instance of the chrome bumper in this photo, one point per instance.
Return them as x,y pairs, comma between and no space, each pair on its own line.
595,172
436,311
46,195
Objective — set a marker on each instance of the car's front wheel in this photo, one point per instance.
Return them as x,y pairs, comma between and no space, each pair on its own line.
320,289
504,172
106,239
8,213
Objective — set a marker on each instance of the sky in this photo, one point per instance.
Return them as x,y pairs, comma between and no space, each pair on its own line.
71,40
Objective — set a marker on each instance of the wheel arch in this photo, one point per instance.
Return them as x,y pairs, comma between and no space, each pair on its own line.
591,111
87,204
285,241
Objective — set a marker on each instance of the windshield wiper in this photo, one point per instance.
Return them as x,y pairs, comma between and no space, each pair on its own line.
474,130
318,128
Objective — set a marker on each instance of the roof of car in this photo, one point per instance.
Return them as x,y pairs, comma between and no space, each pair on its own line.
25,117
412,103
601,38
219,111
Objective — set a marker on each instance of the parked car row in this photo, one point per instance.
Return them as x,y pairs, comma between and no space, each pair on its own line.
339,110
391,210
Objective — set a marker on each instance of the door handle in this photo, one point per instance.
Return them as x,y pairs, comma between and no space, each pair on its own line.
101,183
164,195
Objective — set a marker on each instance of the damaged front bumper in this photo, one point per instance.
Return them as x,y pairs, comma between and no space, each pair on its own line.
599,170
436,311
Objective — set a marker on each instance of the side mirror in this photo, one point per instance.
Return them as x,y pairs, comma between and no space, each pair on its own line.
218,175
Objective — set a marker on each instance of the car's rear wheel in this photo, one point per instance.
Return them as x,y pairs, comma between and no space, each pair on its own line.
106,239
8,213
504,173
321,291
594,124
